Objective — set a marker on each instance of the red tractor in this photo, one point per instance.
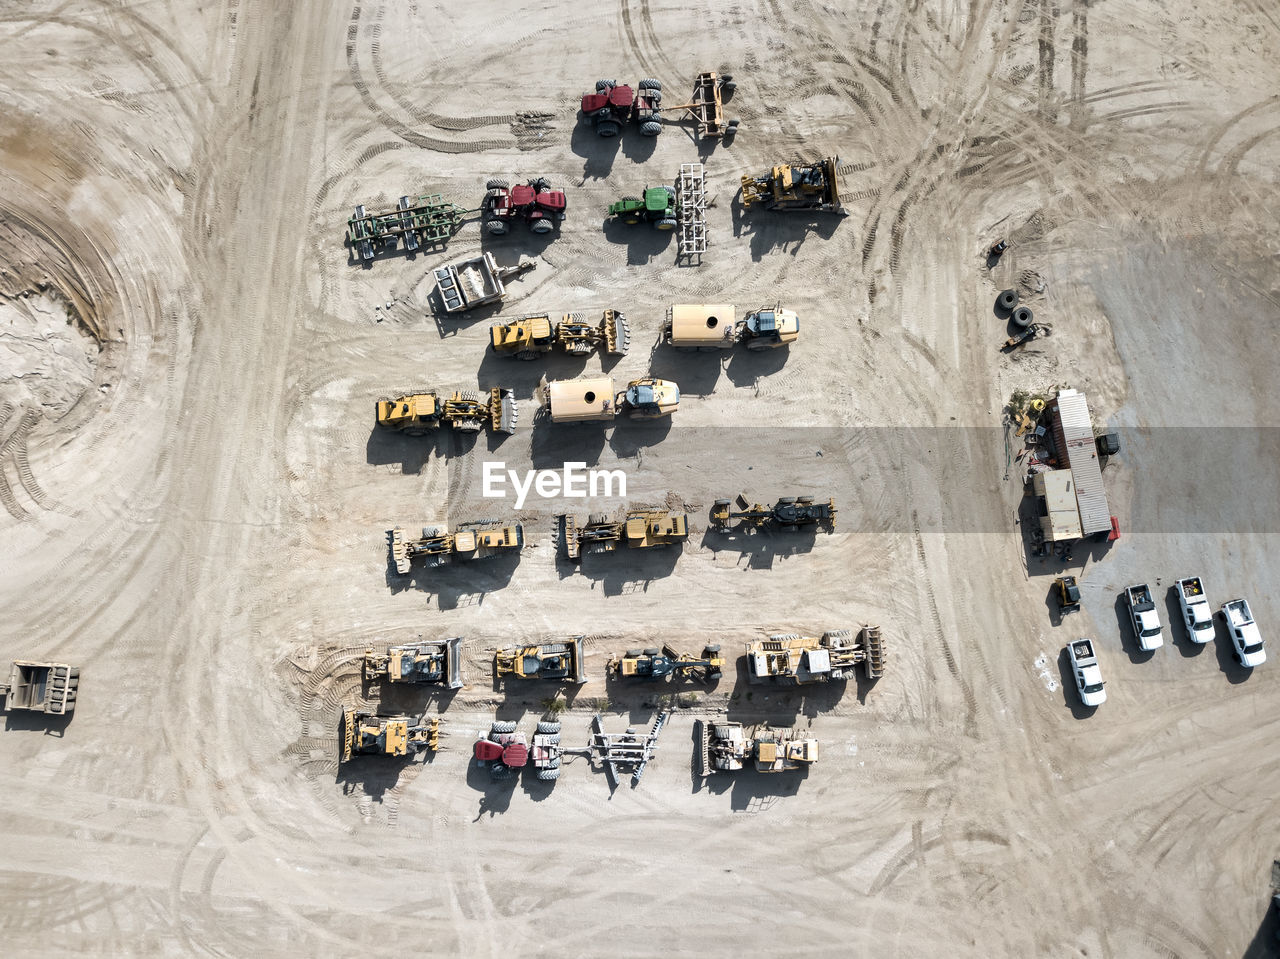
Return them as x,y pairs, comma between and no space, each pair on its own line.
535,202
614,104
506,751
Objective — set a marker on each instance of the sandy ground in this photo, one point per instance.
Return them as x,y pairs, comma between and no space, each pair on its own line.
201,527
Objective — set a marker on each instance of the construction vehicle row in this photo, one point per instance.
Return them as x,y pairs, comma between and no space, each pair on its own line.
727,747
368,734
558,662
434,663
592,399
794,660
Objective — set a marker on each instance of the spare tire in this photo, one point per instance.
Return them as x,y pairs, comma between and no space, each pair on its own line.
1007,300
1022,317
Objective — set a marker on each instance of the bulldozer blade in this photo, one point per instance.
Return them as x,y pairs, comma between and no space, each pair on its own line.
703,747
569,536
873,643
503,410
617,333
577,661
398,552
453,662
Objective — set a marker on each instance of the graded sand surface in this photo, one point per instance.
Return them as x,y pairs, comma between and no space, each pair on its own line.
196,500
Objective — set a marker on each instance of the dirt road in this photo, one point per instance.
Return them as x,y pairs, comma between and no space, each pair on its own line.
202,526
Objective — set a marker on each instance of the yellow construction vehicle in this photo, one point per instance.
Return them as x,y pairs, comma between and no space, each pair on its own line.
470,541
560,662
664,663
465,410
437,662
790,188
367,734
793,660
726,747
639,528
711,327
591,398
530,337
788,513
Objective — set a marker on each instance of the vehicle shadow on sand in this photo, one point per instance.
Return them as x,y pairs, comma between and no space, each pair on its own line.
49,724
760,549
455,584
622,570
786,232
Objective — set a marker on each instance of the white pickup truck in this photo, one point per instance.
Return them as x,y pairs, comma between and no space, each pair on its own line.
1244,633
1087,672
1197,615
1145,619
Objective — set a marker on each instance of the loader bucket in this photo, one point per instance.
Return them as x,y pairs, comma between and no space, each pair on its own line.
569,536
617,333
453,662
398,552
703,746
503,410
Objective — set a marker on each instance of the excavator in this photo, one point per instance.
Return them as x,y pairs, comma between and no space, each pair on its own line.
654,664
416,414
789,513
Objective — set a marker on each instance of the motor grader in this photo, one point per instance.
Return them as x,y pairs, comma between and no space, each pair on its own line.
368,734
592,398
530,337
788,513
469,542
726,747
639,528
467,411
418,663
792,188
793,660
665,663
559,662
710,327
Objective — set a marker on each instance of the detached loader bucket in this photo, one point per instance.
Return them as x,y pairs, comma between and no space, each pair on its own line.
503,410
617,333
348,732
577,663
453,662
703,746
874,646
398,551
569,532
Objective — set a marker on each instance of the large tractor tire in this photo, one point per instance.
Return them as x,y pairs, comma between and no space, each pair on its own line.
666,224
502,728
548,727
542,225
634,653
1007,300
651,128
549,775
602,85
497,185
648,83
607,128
1022,317
653,651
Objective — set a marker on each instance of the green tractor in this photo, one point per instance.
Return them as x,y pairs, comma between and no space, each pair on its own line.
658,207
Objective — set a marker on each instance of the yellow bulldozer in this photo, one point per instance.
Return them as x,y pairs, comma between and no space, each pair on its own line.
470,541
467,411
530,337
368,734
791,188
418,663
726,747
639,528
559,662
793,660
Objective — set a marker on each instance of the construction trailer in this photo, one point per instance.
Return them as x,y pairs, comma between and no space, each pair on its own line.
793,660
368,734
788,513
423,663
796,188
639,528
653,664
41,687
422,221
469,542
727,747
532,337
475,282
562,662
467,411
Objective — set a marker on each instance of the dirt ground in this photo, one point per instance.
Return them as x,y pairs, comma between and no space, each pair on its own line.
196,501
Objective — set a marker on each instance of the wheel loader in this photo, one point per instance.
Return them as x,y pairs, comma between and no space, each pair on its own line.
665,663
560,662
531,337
792,188
789,513
638,528
470,541
368,734
710,327
793,660
418,663
726,747
465,410
592,398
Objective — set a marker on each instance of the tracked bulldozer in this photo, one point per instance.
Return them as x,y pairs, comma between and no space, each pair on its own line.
531,337
638,528
788,513
467,411
470,541
726,747
559,662
367,734
418,663
793,188
793,660
665,663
